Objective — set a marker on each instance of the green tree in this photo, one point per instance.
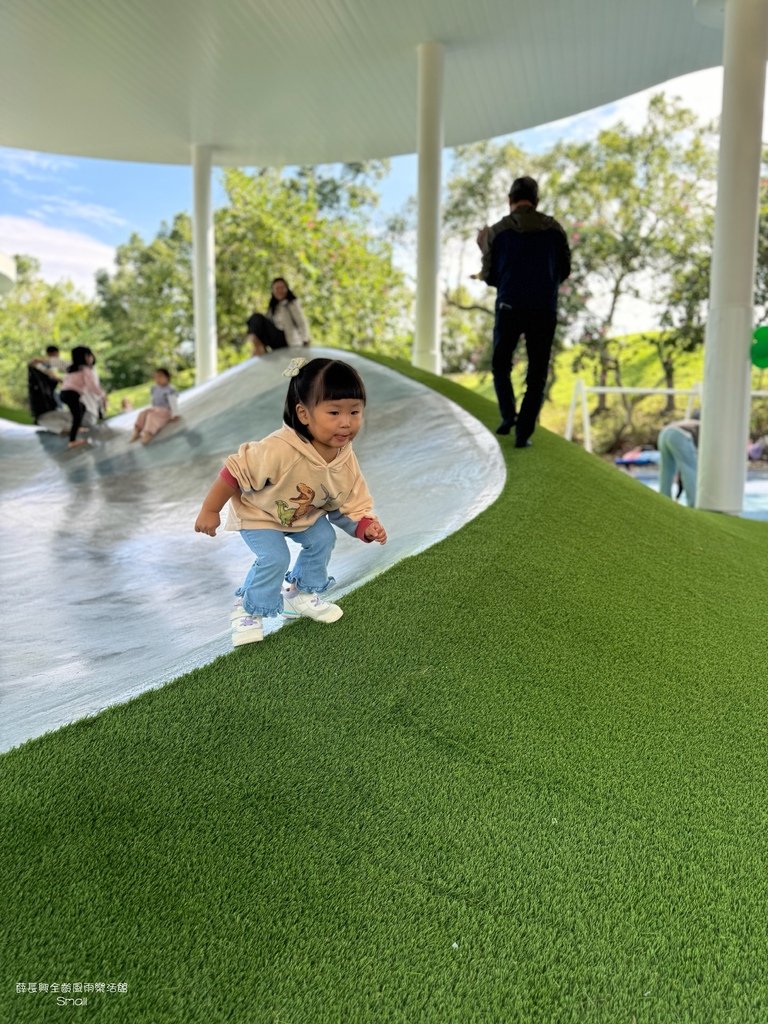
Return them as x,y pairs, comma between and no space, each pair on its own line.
35,314
275,225
476,194
637,207
343,190
309,227
146,304
683,317
641,202
465,332
761,278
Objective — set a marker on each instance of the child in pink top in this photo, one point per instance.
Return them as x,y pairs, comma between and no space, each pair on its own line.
81,391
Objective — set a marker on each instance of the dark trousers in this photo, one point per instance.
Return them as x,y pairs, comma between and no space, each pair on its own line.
72,400
266,331
538,326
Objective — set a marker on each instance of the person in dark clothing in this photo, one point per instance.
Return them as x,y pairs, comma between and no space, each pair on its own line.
42,391
526,257
44,374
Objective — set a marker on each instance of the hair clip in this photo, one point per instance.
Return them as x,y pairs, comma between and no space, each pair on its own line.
292,369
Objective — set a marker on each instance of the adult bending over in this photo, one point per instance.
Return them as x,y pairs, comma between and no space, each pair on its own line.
283,325
678,446
81,391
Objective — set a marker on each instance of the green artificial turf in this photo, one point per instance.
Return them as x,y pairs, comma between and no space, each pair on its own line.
522,780
16,415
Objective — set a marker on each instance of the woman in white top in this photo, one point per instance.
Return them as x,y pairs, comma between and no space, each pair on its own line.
284,324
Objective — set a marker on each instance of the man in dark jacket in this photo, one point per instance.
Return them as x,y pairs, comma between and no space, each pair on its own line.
525,257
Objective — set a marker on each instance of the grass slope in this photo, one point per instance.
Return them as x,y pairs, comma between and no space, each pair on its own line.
522,780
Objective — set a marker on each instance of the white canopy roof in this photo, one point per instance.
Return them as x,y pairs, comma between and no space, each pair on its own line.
315,81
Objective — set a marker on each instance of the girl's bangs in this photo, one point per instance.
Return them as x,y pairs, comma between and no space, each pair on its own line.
339,381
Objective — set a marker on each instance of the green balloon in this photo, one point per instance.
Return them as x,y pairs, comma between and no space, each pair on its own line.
759,350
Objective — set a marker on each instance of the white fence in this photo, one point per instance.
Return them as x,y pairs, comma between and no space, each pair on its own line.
581,390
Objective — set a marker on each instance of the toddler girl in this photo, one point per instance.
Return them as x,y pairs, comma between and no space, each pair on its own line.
295,483
164,408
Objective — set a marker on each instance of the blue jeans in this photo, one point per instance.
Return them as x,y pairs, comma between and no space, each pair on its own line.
678,454
262,586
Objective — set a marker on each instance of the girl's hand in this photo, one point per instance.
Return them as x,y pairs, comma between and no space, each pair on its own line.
207,522
375,531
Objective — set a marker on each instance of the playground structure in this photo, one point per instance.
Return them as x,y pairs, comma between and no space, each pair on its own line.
394,78
133,597
562,820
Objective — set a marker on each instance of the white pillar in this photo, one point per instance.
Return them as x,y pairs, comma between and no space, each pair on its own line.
203,260
426,348
725,403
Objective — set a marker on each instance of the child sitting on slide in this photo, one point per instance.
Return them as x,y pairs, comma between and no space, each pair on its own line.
164,408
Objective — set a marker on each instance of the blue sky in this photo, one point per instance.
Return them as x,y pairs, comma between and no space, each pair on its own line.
71,213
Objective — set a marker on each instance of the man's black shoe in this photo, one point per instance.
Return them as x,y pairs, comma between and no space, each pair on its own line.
523,444
504,427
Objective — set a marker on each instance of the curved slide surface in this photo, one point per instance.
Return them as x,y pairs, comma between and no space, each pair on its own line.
107,591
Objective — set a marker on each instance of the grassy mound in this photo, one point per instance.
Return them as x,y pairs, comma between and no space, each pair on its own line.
522,780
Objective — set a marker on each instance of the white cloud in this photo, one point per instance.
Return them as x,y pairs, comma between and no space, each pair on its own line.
701,92
63,255
22,163
71,209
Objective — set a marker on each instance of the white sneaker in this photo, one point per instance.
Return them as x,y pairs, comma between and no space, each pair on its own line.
309,606
248,629
237,611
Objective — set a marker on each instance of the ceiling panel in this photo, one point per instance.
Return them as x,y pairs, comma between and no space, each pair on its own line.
315,81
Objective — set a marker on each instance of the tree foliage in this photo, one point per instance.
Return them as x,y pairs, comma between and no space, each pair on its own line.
146,305
761,282
310,228
35,314
637,205
317,238
642,205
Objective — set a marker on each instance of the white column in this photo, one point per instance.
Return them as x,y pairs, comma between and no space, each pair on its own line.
725,403
203,260
426,348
